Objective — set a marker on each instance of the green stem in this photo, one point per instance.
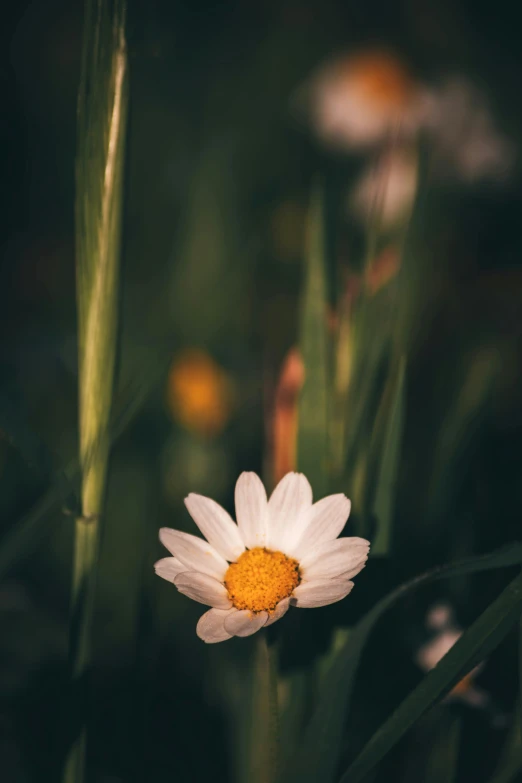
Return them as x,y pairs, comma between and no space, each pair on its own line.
264,755
84,579
102,114
273,706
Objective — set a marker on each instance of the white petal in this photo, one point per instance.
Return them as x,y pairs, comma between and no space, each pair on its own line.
211,626
251,509
195,553
280,610
203,588
168,568
245,623
291,497
353,572
323,522
320,592
333,558
217,526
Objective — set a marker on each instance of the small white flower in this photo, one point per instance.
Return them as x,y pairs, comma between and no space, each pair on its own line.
282,552
431,653
464,135
387,189
440,618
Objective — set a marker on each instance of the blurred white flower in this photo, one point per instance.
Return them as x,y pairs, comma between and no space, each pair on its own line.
359,100
283,551
465,138
362,100
440,618
387,189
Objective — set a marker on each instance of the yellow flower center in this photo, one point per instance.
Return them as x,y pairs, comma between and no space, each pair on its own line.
260,579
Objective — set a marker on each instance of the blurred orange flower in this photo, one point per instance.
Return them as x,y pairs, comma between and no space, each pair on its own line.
199,393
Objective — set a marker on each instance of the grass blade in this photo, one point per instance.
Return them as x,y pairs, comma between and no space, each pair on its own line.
102,112
312,438
384,500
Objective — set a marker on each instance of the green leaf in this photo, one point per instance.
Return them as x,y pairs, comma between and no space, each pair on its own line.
478,641
312,440
371,344
321,746
366,404
384,500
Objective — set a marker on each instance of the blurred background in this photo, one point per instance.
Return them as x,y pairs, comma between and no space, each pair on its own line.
236,110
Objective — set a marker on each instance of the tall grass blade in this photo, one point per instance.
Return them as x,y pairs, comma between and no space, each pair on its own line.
384,500
102,113
312,438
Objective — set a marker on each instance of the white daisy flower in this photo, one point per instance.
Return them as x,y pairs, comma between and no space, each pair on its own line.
282,552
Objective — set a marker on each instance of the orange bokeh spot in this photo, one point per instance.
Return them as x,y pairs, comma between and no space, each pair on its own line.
199,393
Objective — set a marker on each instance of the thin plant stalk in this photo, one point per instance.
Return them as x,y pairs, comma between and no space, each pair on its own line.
264,740
102,113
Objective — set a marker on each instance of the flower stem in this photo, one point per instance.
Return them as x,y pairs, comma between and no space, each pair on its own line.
264,756
273,706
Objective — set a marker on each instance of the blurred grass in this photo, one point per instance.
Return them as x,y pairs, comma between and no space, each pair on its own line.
390,454
102,113
313,447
